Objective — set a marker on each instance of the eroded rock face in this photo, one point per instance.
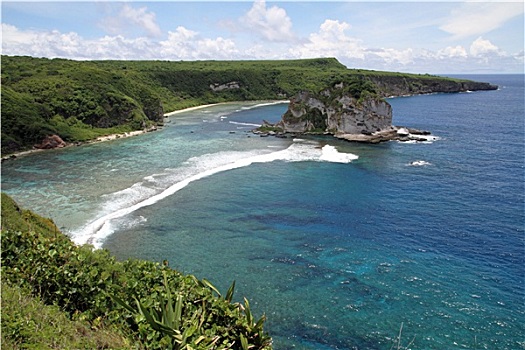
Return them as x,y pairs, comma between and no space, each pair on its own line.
228,86
336,112
369,116
53,141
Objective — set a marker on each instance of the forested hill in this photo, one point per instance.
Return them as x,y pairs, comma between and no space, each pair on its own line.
81,100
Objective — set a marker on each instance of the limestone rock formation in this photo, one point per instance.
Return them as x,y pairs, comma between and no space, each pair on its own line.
337,110
352,110
406,85
228,86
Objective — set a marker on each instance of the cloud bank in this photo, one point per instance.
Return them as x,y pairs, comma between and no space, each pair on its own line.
271,36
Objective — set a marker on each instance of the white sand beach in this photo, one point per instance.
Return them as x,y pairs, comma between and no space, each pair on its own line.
109,137
169,114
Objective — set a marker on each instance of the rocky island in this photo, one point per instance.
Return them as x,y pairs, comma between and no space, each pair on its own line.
355,109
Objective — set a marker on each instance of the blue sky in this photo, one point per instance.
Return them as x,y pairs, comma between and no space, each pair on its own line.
420,37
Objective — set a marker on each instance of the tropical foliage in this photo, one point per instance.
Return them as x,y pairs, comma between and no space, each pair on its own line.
137,302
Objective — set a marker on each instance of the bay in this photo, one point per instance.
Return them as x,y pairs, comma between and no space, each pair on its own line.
338,252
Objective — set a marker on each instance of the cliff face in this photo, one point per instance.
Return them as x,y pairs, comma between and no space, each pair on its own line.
337,111
402,85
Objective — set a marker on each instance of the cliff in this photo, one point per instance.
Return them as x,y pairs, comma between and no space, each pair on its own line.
404,84
341,109
354,109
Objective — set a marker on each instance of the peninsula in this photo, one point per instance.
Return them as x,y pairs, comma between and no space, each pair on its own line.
354,109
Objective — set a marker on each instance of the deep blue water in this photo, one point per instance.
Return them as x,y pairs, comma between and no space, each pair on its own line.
338,255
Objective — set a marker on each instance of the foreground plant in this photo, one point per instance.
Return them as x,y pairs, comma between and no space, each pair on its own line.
165,316
155,306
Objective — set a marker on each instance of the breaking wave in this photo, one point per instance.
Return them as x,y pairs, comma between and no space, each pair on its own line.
159,186
244,124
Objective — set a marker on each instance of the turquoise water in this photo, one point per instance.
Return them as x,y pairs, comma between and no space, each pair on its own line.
338,243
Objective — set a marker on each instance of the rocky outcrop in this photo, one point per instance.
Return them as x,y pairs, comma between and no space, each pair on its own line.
394,133
351,111
355,110
359,117
228,86
337,111
53,141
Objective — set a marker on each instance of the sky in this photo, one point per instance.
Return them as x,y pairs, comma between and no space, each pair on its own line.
469,37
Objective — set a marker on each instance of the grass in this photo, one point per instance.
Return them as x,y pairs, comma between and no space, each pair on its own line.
27,323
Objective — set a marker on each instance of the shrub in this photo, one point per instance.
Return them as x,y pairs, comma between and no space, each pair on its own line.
91,286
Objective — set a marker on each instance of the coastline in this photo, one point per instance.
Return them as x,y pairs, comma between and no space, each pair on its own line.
169,114
110,137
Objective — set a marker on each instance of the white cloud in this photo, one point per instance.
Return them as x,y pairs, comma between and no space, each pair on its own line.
456,51
182,44
40,44
117,47
333,30
520,56
186,44
179,43
331,40
393,56
273,24
11,35
476,18
130,19
482,47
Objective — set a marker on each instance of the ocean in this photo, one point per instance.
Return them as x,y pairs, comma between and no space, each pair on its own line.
341,245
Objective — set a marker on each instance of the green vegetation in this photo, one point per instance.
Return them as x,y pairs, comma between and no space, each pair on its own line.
81,100
94,301
27,323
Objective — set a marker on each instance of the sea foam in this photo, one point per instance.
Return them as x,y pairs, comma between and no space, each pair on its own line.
244,124
139,195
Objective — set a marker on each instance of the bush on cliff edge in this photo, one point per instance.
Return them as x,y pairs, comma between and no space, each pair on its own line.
87,285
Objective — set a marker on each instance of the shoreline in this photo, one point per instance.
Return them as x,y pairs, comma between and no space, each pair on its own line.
111,137
189,109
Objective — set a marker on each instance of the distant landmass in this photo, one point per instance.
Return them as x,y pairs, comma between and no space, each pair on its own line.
82,100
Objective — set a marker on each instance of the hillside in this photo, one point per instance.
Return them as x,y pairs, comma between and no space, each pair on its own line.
81,100
50,286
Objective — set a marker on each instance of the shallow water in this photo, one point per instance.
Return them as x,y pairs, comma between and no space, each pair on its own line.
337,250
